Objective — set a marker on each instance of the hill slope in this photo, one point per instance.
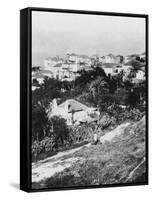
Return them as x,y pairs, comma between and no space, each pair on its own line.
121,160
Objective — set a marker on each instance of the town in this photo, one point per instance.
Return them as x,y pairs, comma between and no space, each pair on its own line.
68,68
129,68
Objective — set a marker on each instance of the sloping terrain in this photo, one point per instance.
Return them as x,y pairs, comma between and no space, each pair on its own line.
57,163
118,160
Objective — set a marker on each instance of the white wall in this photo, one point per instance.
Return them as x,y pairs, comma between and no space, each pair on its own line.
9,101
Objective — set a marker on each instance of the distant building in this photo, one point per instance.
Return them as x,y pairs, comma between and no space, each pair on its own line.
119,59
110,58
39,78
127,58
139,77
67,68
127,68
109,68
52,61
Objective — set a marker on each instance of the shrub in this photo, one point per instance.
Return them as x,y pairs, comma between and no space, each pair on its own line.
43,146
123,114
60,130
81,133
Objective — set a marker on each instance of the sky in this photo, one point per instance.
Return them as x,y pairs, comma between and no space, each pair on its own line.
60,33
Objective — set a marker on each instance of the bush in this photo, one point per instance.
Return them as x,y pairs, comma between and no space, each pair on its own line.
43,146
123,114
81,133
105,121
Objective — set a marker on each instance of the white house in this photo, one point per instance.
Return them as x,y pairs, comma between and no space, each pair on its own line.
73,111
55,70
140,76
110,58
109,68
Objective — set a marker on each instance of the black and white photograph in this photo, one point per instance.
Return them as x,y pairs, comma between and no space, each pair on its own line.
88,100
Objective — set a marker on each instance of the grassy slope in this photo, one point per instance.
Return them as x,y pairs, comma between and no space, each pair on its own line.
111,163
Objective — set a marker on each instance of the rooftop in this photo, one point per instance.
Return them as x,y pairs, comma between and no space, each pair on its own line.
73,105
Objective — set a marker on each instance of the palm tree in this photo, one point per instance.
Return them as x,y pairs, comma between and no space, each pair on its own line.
98,87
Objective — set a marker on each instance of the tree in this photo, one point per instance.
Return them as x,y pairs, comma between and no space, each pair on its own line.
136,64
60,130
40,123
49,90
98,87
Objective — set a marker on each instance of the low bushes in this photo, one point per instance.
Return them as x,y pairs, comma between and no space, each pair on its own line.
77,135
41,148
122,114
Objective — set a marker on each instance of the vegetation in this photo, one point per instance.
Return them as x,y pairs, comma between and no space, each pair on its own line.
117,101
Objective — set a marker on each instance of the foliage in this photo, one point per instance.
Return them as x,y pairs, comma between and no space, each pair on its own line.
81,133
125,114
49,90
43,146
56,137
40,123
88,76
60,130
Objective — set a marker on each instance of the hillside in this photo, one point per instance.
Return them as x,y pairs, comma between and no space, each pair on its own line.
120,160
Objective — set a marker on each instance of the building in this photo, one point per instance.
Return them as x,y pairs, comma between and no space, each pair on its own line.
127,58
51,62
110,58
118,69
109,68
39,77
119,59
139,77
67,68
73,111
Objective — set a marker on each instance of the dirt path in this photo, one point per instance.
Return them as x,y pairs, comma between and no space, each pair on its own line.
57,163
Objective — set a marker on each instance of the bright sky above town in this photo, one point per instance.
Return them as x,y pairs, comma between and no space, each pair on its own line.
60,33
